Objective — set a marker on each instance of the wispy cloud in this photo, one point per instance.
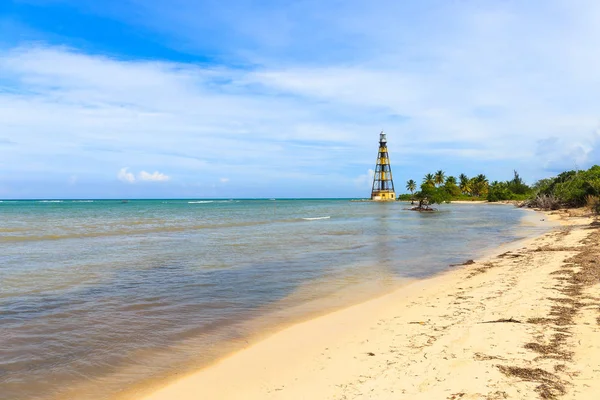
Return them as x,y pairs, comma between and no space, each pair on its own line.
297,93
154,177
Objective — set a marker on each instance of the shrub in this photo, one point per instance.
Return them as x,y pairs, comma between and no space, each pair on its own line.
545,202
499,191
432,195
569,188
452,189
593,203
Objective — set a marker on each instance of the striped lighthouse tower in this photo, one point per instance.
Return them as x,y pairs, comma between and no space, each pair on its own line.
383,186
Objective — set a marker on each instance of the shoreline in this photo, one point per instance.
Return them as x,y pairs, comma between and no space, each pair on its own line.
396,342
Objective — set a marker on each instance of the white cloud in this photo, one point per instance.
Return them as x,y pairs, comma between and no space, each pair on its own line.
469,83
124,176
224,180
153,177
364,181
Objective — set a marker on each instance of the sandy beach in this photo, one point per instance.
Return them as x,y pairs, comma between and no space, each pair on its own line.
522,323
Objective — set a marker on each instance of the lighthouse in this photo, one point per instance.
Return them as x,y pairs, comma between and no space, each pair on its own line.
383,186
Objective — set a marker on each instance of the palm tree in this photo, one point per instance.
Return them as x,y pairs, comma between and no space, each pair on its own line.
429,180
439,177
464,183
479,185
411,186
451,180
484,185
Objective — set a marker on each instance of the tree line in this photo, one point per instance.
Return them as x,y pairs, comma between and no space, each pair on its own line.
568,189
438,188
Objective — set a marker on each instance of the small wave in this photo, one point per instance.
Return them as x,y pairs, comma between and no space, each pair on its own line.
200,202
50,201
83,201
315,218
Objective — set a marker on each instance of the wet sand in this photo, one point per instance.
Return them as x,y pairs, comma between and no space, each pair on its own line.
519,324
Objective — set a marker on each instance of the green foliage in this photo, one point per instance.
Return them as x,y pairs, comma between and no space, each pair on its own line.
439,177
571,188
464,183
429,180
543,185
517,186
432,194
451,188
479,185
411,185
499,191
438,188
514,189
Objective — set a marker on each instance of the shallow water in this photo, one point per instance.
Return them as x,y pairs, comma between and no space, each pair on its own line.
98,296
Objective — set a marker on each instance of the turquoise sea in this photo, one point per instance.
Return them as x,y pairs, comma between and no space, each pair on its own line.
100,296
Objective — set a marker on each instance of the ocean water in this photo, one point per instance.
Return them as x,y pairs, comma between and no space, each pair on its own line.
98,298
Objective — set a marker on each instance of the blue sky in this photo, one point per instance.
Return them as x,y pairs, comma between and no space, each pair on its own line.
182,98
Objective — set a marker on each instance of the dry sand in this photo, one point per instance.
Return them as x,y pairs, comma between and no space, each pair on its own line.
524,324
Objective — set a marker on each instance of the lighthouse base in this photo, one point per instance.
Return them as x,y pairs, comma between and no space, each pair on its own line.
383,196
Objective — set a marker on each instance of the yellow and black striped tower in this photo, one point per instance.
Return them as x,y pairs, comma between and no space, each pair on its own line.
383,186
